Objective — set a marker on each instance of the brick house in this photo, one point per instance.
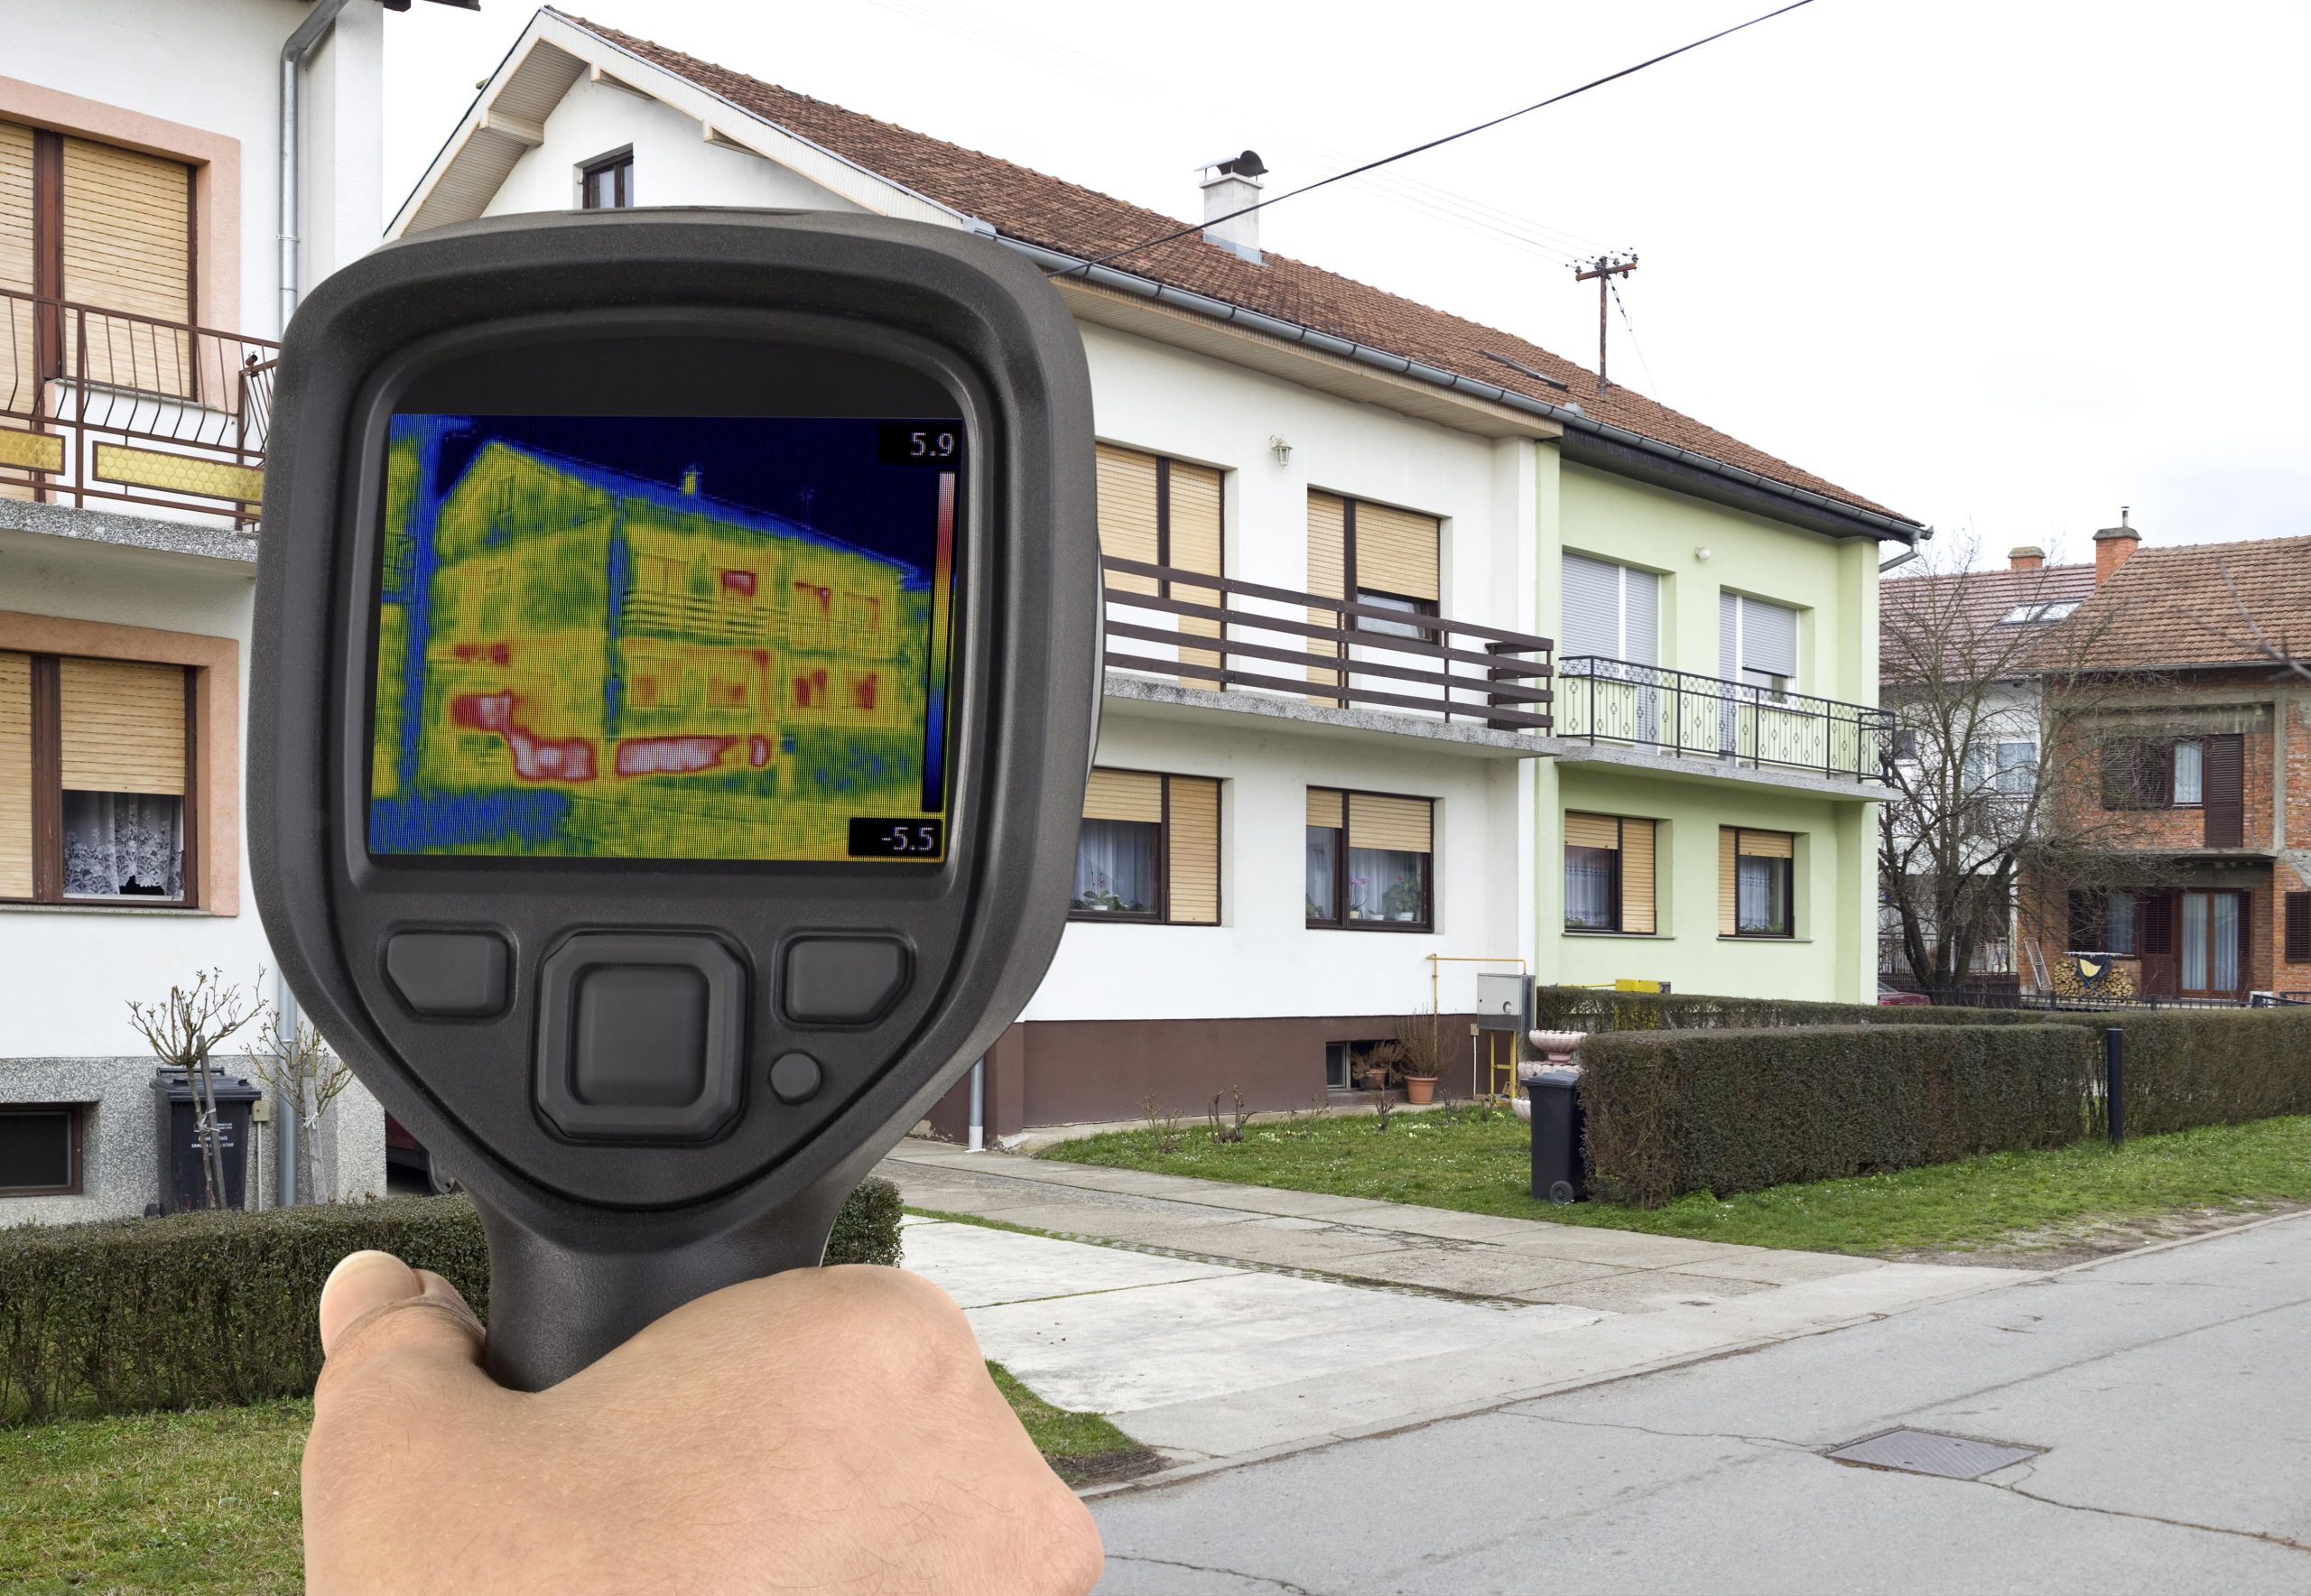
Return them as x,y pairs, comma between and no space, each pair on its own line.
2205,768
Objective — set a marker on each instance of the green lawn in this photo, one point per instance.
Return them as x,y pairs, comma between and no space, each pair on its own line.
1481,1163
206,1501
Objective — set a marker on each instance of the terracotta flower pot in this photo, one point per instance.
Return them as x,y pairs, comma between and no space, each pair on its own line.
1419,1089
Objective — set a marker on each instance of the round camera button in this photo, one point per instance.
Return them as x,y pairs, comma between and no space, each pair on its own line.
794,1077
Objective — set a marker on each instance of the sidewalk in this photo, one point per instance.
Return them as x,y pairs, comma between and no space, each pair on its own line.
1217,1321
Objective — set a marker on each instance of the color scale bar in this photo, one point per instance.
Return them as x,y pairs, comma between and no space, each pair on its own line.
942,621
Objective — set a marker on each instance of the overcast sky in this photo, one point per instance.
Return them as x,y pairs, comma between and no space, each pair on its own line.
2003,264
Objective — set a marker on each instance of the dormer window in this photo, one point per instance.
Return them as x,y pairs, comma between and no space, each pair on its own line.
606,183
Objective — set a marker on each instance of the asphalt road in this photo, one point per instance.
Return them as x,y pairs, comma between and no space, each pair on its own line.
2170,1391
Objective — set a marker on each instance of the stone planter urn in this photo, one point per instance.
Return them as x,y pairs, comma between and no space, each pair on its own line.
1557,1045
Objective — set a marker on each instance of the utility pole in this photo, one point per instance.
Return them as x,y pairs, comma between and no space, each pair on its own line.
1604,269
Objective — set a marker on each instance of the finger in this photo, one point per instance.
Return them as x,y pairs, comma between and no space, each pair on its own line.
372,1301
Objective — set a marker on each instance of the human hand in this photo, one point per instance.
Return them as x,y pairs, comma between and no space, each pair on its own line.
822,1429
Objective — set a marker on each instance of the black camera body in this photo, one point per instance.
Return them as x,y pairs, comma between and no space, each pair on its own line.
677,665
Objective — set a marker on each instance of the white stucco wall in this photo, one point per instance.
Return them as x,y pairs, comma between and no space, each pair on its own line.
216,66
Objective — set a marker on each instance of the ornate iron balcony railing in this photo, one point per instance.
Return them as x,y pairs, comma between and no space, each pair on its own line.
1679,713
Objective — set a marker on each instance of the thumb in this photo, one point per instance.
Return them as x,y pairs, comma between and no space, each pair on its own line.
373,1303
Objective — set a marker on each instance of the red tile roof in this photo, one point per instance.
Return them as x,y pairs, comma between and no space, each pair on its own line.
1035,209
1964,608
2172,607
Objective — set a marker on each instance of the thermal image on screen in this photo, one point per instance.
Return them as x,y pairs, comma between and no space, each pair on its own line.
665,637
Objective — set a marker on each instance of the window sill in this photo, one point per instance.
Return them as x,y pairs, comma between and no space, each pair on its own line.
163,910
1397,927
1631,936
1774,941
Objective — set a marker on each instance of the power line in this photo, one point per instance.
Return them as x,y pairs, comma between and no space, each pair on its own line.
1434,143
1650,380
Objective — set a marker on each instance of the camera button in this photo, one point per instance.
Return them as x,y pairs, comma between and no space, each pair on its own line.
641,1037
794,1077
448,974
842,981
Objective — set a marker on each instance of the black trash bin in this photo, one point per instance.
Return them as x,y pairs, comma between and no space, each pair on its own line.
175,1121
1558,1173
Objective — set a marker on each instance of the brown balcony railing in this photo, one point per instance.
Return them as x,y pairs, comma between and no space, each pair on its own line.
104,406
1212,632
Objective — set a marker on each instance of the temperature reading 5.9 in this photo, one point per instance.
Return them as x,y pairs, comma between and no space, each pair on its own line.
897,839
920,443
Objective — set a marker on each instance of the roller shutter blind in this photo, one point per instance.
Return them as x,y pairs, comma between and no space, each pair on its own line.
16,272
123,727
1193,543
1324,807
1637,876
1327,572
1729,921
15,776
1124,795
2223,794
1398,825
1753,635
1396,551
1729,636
1193,844
1768,845
1592,595
1592,831
127,245
1127,513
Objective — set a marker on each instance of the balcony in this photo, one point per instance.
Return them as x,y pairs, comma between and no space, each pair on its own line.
1302,655
1676,714
105,407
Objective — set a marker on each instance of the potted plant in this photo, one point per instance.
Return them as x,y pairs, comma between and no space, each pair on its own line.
1420,1055
1379,1063
1402,900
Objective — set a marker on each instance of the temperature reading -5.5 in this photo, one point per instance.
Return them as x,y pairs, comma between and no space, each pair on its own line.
922,443
897,839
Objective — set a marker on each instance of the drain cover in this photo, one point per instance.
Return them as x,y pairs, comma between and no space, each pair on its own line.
1929,1452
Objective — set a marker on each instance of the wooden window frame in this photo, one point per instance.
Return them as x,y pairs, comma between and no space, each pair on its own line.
1621,884
1161,912
1426,924
619,163
212,665
2246,940
1789,867
48,795
75,1116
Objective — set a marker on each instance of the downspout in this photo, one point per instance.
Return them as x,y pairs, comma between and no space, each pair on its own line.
301,45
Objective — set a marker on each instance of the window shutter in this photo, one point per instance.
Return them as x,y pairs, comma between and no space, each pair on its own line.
1769,845
1126,486
2088,918
123,727
1727,848
1592,606
2224,798
1637,875
1592,831
1124,795
16,352
1400,825
1396,551
2155,923
1327,573
2298,928
1769,638
127,245
15,776
1193,843
1192,521
1324,807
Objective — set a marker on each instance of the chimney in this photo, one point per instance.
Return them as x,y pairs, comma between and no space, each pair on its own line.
2027,558
2113,546
1230,185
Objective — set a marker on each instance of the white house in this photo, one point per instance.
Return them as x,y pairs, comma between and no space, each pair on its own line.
142,289
1281,861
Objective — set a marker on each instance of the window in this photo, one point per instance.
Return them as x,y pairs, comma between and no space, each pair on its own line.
95,767
40,1149
1148,849
1368,861
2117,923
1757,642
1755,883
2298,928
1906,743
1372,554
2041,610
2215,936
1163,512
2137,773
1611,611
607,183
2017,767
1608,874
2190,774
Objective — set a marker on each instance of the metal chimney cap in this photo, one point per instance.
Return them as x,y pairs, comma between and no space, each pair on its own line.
1246,164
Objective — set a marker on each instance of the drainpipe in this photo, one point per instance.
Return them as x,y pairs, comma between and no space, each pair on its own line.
287,1114
301,45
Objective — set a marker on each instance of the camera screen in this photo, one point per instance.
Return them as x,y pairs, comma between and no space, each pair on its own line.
665,637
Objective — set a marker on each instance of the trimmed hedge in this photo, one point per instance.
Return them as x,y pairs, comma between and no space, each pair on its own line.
1598,1010
201,1309
1736,1110
2189,1067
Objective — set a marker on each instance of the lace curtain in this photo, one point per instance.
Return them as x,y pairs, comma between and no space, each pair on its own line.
1760,902
124,845
1115,867
1321,841
1589,888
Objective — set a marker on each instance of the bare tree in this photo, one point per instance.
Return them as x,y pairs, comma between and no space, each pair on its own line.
299,1067
183,1030
1970,661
